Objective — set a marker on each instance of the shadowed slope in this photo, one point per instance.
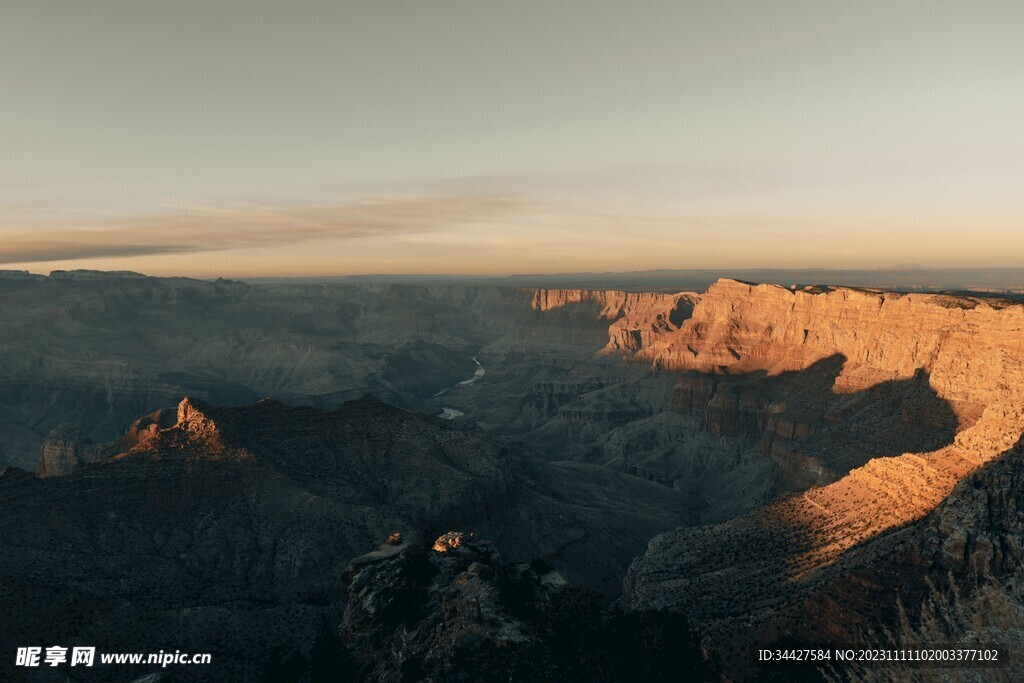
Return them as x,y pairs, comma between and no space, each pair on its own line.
934,365
205,525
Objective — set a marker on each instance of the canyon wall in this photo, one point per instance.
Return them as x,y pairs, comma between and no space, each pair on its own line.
745,579
637,319
970,347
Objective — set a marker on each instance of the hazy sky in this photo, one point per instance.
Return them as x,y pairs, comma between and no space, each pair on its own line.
318,137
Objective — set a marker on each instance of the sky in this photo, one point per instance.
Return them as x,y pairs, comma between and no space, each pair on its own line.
327,137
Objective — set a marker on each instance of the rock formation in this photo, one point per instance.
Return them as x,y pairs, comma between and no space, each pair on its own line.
227,529
238,522
970,347
745,578
638,319
65,449
461,613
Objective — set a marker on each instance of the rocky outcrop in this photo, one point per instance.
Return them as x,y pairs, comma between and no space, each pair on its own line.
193,420
460,613
969,545
817,380
979,528
439,615
811,433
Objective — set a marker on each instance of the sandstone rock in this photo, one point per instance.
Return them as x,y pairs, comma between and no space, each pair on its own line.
450,541
638,319
952,364
969,347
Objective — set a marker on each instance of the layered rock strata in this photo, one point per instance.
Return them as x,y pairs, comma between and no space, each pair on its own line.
746,578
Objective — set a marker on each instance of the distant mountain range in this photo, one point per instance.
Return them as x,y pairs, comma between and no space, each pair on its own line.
901,277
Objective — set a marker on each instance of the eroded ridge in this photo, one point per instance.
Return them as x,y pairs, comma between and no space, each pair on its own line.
756,570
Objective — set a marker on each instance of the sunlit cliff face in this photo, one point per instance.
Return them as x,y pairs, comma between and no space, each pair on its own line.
962,358
957,364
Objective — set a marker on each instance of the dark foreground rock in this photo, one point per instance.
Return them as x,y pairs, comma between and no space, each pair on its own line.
228,530
457,612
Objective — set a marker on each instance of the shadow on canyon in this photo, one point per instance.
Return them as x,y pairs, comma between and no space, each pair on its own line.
237,534
814,433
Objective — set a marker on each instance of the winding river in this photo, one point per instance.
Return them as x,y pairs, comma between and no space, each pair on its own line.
452,413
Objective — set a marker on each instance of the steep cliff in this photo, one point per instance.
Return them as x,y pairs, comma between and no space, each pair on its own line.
963,359
970,347
639,319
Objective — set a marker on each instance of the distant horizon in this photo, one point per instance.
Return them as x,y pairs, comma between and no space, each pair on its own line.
565,273
998,281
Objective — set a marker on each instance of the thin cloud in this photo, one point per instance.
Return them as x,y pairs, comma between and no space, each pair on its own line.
38,251
203,229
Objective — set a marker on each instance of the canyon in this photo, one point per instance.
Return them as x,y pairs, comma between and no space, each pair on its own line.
763,462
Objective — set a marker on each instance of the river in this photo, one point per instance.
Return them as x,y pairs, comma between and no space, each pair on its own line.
452,413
